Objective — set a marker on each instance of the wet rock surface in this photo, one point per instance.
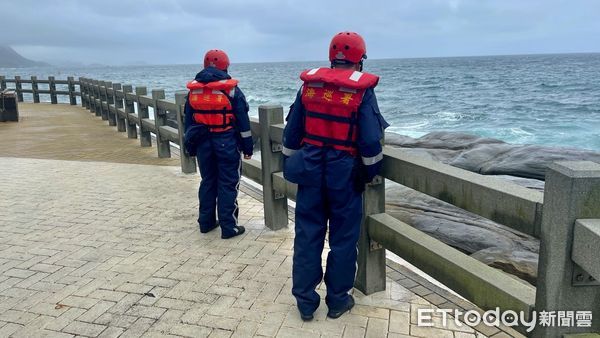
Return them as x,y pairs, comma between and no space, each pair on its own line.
489,156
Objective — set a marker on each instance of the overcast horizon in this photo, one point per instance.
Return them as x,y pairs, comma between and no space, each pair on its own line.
149,32
140,63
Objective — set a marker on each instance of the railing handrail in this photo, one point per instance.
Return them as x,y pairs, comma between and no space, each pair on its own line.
35,91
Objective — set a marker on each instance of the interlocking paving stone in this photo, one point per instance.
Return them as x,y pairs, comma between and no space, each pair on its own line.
399,322
84,329
187,330
96,311
65,319
9,329
111,332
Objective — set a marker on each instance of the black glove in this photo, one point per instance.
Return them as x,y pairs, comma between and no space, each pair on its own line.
359,177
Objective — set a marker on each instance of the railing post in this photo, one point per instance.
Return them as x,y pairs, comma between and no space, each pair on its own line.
96,100
103,100
94,97
90,93
52,87
89,104
110,115
35,90
83,92
118,106
188,163
19,88
145,137
572,192
129,109
71,86
160,119
2,82
275,205
370,275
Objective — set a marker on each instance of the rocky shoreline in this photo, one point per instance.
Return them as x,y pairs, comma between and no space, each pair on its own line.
487,241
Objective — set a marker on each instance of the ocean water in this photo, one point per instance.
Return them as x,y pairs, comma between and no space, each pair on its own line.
549,100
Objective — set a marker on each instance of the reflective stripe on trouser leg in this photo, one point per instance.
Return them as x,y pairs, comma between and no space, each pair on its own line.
228,162
344,230
237,191
311,225
207,192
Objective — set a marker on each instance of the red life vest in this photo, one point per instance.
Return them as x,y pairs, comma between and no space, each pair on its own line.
332,98
211,103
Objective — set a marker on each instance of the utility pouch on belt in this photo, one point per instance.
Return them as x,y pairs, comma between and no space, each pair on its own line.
194,136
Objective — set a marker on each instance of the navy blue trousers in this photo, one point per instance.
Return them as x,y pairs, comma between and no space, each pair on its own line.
220,164
315,206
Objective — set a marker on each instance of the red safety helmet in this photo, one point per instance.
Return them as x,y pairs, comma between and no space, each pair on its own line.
347,47
216,58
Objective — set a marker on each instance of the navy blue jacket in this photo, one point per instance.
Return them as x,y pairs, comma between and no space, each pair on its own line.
240,110
304,164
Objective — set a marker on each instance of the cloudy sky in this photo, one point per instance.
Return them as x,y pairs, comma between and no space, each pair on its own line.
179,31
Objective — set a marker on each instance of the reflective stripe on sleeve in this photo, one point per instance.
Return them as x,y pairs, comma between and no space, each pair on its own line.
372,160
288,151
246,133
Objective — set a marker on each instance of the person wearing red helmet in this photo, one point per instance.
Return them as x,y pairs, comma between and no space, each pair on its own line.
331,146
216,58
217,128
347,48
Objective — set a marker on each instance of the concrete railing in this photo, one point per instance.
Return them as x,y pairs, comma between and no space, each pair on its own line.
129,111
51,83
566,218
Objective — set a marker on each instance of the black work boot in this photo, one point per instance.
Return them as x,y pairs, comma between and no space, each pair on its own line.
209,229
238,231
336,313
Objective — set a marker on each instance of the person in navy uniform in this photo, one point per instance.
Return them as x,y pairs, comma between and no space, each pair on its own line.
332,148
217,126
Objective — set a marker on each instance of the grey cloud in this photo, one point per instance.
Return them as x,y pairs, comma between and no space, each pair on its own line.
173,31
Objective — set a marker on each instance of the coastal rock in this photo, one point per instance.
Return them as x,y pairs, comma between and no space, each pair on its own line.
530,183
489,156
523,264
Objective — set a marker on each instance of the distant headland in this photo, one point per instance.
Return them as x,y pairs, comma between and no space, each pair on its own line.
9,58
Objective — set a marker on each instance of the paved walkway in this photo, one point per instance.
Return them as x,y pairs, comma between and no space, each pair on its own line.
66,132
103,249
